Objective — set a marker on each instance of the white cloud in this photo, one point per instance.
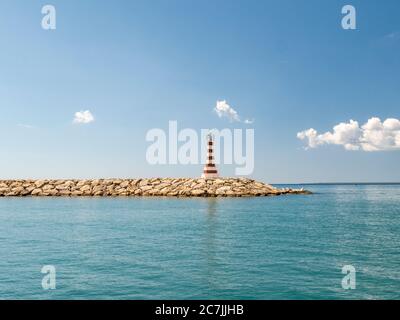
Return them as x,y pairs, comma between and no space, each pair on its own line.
394,35
83,117
374,135
248,121
26,126
223,109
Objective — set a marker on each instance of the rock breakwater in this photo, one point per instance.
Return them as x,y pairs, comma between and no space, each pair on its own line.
168,187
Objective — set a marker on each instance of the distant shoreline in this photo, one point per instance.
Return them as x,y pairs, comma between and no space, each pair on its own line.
336,183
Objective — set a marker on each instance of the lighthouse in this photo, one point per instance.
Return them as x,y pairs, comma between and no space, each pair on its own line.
210,170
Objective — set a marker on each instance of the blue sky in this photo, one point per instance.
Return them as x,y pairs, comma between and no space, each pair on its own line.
138,64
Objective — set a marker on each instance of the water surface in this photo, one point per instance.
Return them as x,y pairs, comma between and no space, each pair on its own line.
289,247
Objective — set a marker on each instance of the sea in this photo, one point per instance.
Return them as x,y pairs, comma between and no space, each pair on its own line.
286,247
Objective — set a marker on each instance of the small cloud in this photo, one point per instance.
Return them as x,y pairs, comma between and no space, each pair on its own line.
83,117
249,121
374,135
223,109
26,126
393,35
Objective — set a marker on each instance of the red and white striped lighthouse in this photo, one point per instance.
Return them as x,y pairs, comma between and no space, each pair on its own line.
210,170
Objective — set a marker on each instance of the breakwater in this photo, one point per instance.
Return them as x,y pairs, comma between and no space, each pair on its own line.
168,187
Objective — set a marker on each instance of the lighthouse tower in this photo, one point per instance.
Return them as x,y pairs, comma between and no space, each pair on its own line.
210,170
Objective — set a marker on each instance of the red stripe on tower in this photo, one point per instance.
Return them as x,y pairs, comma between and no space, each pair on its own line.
210,170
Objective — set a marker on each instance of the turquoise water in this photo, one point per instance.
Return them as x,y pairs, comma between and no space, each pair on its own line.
290,247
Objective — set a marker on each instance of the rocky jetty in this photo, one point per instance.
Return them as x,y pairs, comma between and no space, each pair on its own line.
168,187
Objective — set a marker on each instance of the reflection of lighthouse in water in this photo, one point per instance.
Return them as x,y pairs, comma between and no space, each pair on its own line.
210,170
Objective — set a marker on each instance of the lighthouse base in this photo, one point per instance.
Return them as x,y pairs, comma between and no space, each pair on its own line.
209,175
